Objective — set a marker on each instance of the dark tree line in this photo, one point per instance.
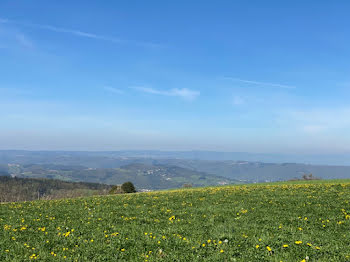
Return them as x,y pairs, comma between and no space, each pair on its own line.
26,189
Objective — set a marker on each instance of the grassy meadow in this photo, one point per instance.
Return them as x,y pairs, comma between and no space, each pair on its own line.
266,222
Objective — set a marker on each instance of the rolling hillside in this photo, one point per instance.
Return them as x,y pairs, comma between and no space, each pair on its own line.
115,167
144,176
266,222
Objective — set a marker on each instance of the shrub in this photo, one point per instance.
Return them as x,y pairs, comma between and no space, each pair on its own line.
310,177
117,189
128,187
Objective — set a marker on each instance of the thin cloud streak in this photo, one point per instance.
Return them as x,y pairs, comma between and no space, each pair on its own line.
76,33
260,83
11,38
320,121
80,33
184,93
113,90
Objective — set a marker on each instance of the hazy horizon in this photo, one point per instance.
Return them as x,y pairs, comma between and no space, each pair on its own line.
309,159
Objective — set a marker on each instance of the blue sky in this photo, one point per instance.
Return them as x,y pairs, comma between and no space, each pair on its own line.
248,76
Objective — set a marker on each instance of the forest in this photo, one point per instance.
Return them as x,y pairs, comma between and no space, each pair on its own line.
13,189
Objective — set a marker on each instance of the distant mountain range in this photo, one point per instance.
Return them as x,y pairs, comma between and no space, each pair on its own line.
155,169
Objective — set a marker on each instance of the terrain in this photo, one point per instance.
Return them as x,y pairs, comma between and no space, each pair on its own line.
150,170
290,221
144,176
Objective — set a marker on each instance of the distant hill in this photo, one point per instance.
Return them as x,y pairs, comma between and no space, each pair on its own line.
144,176
153,170
4,170
260,172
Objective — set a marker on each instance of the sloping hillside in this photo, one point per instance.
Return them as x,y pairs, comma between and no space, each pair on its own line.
144,176
266,222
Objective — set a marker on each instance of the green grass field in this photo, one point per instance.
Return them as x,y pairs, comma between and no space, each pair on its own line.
291,221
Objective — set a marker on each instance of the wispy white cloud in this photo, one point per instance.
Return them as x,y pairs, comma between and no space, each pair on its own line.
317,120
184,93
11,37
253,82
313,129
113,90
80,33
76,33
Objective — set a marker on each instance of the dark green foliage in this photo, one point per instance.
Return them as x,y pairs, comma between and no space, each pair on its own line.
26,189
128,187
117,189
